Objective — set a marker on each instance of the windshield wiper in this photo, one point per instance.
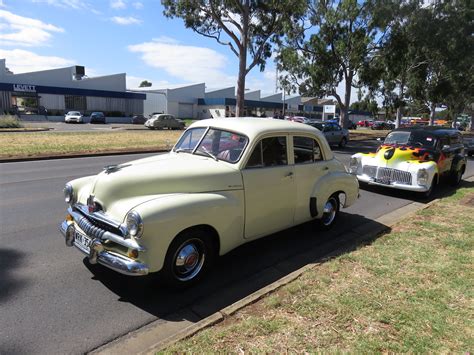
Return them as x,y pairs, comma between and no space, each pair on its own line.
186,150
208,153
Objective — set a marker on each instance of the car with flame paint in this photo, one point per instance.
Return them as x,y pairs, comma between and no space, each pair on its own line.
413,159
225,182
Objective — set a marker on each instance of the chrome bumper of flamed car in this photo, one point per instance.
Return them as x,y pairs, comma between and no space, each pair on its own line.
98,254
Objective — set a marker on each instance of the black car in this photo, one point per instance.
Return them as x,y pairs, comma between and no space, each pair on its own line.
97,117
138,119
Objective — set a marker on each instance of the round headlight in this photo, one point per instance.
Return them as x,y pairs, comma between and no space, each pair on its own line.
68,194
422,177
134,224
353,165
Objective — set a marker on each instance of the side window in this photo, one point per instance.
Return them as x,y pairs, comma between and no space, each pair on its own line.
269,152
306,150
274,151
336,127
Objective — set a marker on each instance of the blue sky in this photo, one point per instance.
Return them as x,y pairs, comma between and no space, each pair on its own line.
116,36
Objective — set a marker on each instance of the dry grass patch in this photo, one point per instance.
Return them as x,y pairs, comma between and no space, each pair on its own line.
56,143
409,291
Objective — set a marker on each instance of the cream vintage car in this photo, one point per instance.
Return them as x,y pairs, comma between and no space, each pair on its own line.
225,182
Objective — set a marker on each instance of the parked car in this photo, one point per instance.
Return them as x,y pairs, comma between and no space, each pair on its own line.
225,182
97,117
335,134
413,159
73,116
138,119
365,123
469,146
380,125
161,121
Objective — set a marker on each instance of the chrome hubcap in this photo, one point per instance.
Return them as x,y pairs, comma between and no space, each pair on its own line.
329,211
189,259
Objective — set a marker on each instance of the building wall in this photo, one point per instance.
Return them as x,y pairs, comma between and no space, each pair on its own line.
5,101
52,102
227,92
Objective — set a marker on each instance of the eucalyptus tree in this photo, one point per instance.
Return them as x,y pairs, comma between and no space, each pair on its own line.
247,27
331,46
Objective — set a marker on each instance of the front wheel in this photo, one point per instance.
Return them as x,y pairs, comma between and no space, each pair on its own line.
432,188
456,177
330,213
189,257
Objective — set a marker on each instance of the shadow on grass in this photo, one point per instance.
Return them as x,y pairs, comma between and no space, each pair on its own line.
242,271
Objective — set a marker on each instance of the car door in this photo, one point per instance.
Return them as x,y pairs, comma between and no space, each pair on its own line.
337,133
269,188
309,167
446,155
329,133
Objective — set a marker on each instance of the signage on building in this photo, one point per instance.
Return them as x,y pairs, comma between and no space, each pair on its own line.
330,109
24,88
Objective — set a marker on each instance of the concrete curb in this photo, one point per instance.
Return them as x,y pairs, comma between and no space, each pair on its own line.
88,155
154,331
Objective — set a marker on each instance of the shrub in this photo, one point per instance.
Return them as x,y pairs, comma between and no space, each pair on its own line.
9,121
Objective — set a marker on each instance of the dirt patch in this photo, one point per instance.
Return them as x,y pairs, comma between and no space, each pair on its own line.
467,200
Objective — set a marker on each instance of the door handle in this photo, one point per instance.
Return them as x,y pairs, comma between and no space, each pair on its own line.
326,168
290,174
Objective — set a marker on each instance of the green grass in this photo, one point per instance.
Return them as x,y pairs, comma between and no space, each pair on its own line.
17,145
9,122
410,290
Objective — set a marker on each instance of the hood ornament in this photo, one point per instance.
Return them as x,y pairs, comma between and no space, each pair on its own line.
113,168
91,203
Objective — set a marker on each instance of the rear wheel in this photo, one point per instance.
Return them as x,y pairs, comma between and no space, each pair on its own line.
456,177
330,212
189,257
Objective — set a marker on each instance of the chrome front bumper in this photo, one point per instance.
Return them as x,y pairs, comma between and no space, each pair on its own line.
98,254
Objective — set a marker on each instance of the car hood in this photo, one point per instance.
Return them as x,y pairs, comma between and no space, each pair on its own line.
401,156
149,178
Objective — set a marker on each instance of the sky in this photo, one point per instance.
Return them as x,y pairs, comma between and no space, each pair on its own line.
121,36
118,36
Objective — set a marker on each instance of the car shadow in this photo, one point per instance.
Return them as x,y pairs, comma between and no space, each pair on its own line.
442,190
9,285
242,271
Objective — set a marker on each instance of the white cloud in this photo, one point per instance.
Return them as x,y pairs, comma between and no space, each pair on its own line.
24,31
23,61
2,4
137,5
117,4
71,4
189,63
126,20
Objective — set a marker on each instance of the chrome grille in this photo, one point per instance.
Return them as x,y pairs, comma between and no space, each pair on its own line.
388,175
90,229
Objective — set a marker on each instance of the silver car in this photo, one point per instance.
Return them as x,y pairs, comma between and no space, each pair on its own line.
335,134
164,121
73,116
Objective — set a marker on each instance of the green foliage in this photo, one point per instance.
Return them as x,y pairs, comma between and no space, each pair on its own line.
9,121
343,36
246,27
145,84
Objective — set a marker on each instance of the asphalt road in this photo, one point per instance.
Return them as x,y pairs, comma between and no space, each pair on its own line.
52,301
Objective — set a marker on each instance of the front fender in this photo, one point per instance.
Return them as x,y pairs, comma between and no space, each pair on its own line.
332,182
164,218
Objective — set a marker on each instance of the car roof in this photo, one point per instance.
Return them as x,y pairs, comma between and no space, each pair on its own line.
254,127
434,130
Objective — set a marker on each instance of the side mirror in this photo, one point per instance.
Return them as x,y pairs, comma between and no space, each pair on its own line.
379,140
446,147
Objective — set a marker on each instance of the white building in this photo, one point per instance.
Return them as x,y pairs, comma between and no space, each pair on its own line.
65,89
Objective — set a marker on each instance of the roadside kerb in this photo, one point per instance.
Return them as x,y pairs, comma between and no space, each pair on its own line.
156,335
83,155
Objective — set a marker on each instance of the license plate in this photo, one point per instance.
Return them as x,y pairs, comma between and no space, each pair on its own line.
83,242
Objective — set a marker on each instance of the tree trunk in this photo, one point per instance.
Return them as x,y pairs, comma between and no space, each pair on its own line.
344,119
239,111
432,113
398,120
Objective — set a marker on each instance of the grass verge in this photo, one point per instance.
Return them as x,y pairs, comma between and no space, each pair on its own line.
409,291
57,143
8,121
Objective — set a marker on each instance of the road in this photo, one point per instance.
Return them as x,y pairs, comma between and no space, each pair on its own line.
52,301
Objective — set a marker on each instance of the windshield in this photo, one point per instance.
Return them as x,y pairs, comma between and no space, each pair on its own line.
73,113
421,139
215,143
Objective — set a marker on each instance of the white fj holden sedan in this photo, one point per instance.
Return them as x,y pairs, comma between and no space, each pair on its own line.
225,182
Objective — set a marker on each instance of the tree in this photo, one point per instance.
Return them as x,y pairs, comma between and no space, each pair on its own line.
342,36
145,84
245,26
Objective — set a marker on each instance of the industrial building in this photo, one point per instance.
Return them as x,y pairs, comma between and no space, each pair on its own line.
57,91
